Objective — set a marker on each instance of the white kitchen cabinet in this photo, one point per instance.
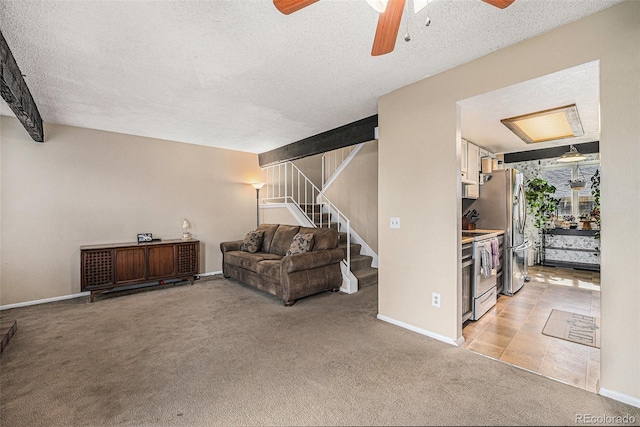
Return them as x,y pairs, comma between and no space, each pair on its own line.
472,191
463,158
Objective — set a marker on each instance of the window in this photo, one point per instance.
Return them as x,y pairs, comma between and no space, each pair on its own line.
576,203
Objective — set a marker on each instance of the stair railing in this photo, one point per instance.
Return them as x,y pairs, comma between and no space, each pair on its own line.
332,160
288,184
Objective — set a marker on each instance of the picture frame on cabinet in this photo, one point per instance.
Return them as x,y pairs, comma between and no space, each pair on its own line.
145,237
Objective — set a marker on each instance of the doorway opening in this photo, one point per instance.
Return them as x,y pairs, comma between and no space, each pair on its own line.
512,330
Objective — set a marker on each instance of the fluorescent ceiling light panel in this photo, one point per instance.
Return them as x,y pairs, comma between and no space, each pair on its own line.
547,125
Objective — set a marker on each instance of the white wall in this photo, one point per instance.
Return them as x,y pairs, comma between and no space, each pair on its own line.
419,182
85,186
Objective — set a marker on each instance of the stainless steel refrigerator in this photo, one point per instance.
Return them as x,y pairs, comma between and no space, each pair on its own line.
503,206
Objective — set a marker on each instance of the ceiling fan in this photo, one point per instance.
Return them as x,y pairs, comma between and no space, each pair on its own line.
388,22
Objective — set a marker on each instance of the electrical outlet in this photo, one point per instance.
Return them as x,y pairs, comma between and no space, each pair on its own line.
395,222
435,299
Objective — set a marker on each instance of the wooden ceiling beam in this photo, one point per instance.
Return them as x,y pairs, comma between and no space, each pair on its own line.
15,92
362,130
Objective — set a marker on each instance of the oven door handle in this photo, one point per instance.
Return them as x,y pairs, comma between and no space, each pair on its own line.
526,245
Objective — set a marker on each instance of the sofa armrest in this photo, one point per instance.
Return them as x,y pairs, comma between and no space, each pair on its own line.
312,259
231,246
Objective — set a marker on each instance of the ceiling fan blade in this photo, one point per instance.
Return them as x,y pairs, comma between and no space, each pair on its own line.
388,26
289,6
499,3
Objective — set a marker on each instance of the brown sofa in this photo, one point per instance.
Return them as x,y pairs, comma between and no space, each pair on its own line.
287,277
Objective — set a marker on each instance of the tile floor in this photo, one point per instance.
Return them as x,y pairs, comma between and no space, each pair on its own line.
512,330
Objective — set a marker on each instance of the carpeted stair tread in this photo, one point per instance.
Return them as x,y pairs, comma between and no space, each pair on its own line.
333,225
316,217
355,248
366,277
360,262
311,207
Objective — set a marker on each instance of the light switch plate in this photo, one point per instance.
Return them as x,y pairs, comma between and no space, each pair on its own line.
395,222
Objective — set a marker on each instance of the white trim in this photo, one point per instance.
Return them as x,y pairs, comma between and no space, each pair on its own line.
72,296
460,341
349,281
211,273
342,167
297,213
44,301
365,249
421,331
629,400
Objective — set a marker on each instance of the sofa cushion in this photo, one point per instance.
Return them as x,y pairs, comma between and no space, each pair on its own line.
247,260
270,268
269,231
252,241
282,239
323,238
301,243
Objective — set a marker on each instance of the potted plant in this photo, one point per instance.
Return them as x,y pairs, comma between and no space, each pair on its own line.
540,201
542,205
570,220
595,192
579,183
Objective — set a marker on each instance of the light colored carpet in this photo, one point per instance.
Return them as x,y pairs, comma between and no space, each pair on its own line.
218,353
573,327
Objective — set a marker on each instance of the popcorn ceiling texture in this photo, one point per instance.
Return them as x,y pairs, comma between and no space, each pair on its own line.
240,75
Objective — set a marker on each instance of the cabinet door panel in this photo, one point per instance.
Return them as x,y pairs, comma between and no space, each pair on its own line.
130,265
187,256
473,169
97,268
162,261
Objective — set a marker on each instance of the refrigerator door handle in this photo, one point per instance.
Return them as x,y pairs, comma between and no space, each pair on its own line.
522,209
526,245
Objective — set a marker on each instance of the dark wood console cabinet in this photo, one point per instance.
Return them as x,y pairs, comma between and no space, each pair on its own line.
107,267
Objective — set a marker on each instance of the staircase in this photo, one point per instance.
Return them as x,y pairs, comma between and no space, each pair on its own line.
360,265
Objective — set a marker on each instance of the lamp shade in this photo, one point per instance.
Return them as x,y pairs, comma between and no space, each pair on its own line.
573,155
257,185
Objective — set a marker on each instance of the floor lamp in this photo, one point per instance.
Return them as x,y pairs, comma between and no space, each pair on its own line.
258,186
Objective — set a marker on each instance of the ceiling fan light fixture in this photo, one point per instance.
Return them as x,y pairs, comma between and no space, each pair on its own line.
418,5
378,5
547,125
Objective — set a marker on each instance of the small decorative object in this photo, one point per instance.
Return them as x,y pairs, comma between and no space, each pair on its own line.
145,237
469,220
186,234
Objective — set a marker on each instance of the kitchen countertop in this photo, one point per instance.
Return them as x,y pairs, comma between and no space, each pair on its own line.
466,240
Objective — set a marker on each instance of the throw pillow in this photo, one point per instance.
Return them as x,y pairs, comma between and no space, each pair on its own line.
252,241
300,244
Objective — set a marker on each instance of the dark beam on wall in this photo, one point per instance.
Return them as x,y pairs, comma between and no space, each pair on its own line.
550,153
354,133
16,93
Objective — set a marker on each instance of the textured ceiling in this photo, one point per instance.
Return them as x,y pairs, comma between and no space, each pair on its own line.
238,74
480,116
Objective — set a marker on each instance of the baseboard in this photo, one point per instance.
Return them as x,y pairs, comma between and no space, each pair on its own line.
633,401
211,273
44,301
71,296
421,331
